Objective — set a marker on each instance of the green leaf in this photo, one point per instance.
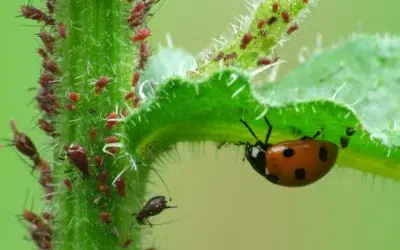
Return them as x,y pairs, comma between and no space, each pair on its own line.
353,84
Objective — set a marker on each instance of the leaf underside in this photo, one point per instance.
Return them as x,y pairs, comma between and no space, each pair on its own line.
364,90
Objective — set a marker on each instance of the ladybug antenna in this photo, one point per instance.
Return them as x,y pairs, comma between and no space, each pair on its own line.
251,131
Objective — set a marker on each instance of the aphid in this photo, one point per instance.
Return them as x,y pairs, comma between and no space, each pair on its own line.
230,56
305,1
24,144
120,183
291,163
260,24
31,217
350,131
50,6
70,106
92,134
127,243
99,161
130,95
51,66
141,35
292,28
275,7
135,79
344,141
48,216
103,178
153,207
43,54
144,55
73,96
112,139
266,61
77,155
105,217
285,16
48,41
62,32
219,56
47,127
111,120
46,79
246,39
68,184
101,83
33,13
272,20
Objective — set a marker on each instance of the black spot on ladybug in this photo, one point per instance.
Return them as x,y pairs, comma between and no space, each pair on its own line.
288,152
272,178
300,174
323,154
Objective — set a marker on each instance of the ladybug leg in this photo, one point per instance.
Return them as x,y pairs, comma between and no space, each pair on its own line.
251,131
319,132
269,130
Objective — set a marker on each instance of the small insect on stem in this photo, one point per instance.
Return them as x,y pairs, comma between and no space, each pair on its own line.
219,56
47,127
141,34
74,97
275,7
120,183
153,207
135,79
101,83
92,133
46,79
51,66
246,39
24,144
77,155
112,120
33,13
105,217
285,16
292,28
68,184
126,243
62,32
272,20
48,41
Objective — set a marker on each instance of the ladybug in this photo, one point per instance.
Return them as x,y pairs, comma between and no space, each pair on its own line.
291,163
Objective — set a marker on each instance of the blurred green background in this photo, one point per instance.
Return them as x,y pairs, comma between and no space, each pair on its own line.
228,206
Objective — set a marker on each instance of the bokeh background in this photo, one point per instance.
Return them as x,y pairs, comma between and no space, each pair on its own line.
223,203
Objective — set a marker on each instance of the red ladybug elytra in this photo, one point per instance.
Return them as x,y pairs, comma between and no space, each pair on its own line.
291,163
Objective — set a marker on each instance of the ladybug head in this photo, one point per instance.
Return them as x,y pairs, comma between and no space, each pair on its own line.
255,155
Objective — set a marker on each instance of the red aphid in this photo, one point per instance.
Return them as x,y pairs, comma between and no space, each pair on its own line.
48,216
70,107
73,96
219,56
260,24
120,183
77,155
104,189
126,243
144,55
33,13
141,34
230,56
111,120
62,32
48,41
139,7
292,28
112,139
135,79
246,39
103,178
51,66
68,184
24,144
275,7
272,20
46,79
105,217
99,161
50,192
92,133
47,127
43,54
285,16
264,61
50,4
130,95
101,83
31,217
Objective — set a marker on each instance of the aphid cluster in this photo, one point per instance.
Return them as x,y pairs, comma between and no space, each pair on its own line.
262,25
39,228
